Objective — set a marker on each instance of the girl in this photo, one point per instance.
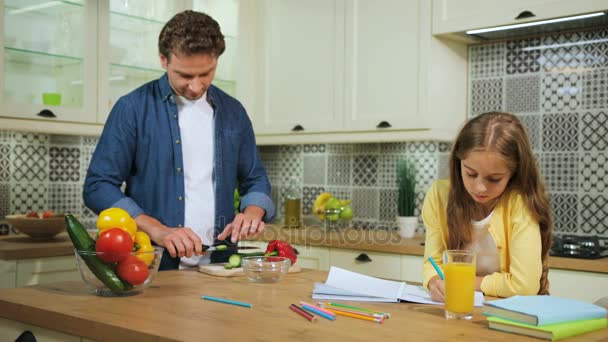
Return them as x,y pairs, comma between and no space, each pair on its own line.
495,204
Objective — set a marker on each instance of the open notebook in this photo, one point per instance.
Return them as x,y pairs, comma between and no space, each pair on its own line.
342,284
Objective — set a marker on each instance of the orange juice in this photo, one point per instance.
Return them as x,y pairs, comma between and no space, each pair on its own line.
459,286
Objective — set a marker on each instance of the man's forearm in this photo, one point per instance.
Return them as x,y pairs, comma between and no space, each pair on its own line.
151,226
255,211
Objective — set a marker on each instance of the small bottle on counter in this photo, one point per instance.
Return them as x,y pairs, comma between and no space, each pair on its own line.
293,205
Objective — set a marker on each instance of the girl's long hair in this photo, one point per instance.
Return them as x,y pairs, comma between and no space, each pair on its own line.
502,133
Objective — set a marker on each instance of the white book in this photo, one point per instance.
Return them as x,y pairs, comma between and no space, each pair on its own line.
342,284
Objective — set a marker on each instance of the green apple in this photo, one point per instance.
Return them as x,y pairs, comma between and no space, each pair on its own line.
333,203
333,217
346,213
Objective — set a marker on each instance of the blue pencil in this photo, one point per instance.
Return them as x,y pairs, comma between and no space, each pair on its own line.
227,301
436,268
318,312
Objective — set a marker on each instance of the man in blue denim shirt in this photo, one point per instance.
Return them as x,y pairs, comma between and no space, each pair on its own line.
149,142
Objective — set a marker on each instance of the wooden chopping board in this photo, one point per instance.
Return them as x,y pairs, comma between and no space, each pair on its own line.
218,270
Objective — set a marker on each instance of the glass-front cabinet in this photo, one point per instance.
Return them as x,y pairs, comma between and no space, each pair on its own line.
48,62
70,61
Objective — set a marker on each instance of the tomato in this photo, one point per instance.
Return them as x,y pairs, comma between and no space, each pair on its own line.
116,218
47,214
142,241
114,245
132,270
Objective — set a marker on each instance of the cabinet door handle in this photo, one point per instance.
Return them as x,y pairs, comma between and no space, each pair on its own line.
384,124
363,258
525,15
46,113
297,128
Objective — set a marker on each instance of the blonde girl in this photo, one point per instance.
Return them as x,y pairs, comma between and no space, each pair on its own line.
495,204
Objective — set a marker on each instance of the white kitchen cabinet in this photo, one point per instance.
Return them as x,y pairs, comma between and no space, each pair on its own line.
363,72
299,64
585,286
457,16
313,257
10,330
26,272
376,264
49,49
411,268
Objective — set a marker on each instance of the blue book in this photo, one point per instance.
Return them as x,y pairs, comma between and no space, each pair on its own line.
542,310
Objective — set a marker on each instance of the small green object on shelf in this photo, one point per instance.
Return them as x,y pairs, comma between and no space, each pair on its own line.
51,99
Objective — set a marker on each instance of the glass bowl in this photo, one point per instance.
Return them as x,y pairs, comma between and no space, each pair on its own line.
88,260
265,269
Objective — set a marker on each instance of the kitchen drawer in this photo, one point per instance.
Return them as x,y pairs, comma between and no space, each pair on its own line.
411,268
313,257
589,286
8,273
383,265
46,270
10,330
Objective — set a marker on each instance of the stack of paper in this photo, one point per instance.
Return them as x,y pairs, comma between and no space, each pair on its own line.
342,284
547,317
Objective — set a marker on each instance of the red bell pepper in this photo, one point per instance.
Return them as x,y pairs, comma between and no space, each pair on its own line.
283,249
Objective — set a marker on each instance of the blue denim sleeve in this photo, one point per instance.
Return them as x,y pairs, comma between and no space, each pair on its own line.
253,181
111,162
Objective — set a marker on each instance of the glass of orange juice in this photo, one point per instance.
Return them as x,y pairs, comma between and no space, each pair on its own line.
459,273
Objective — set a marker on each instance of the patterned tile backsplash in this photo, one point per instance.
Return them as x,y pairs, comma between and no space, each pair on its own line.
557,85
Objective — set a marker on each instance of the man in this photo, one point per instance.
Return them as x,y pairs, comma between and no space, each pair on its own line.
182,146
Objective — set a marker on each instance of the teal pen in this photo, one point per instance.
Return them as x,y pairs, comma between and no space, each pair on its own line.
227,301
439,272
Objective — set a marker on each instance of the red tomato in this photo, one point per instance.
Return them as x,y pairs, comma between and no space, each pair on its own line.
47,214
114,244
132,270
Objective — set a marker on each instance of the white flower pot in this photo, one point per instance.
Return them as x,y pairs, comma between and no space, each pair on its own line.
407,225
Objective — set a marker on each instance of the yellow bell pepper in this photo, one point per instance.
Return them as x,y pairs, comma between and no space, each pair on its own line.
116,218
142,240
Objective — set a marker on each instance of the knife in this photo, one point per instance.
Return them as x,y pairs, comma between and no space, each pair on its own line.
222,247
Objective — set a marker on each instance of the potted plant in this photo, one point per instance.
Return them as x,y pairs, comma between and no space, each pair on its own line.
406,202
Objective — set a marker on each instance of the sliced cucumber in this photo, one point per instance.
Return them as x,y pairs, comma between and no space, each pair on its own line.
234,261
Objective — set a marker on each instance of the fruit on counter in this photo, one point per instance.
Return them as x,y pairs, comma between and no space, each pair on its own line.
83,242
114,245
132,270
116,218
45,214
327,205
318,207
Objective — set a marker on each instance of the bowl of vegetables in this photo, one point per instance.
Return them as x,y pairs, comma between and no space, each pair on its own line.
40,226
120,262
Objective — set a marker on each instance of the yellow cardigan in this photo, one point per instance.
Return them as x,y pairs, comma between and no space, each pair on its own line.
515,232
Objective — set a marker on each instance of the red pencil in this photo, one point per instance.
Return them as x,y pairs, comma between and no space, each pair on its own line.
302,313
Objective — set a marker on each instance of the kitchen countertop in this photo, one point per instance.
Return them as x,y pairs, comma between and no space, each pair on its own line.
172,309
21,247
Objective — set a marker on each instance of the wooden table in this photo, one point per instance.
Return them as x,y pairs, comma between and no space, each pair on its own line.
172,309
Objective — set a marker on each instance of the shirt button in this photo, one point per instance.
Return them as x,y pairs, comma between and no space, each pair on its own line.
179,225
175,116
180,198
179,169
177,141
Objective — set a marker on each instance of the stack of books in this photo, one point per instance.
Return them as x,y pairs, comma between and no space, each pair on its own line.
547,317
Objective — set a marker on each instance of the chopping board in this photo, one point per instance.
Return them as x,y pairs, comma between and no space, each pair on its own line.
218,270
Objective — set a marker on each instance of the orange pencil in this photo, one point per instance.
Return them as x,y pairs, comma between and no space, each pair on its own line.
353,315
302,313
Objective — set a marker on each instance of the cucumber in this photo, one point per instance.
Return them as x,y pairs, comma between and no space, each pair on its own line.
234,261
83,242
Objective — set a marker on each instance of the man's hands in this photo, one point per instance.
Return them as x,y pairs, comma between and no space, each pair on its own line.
179,242
248,224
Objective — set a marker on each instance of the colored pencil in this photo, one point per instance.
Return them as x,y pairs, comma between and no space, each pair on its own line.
330,316
439,272
373,315
227,301
317,307
302,313
352,315
339,305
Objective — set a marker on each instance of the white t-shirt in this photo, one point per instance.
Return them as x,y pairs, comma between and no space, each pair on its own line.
196,126
487,257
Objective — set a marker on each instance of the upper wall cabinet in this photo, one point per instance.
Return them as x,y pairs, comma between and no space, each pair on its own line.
49,59
299,66
351,70
456,16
